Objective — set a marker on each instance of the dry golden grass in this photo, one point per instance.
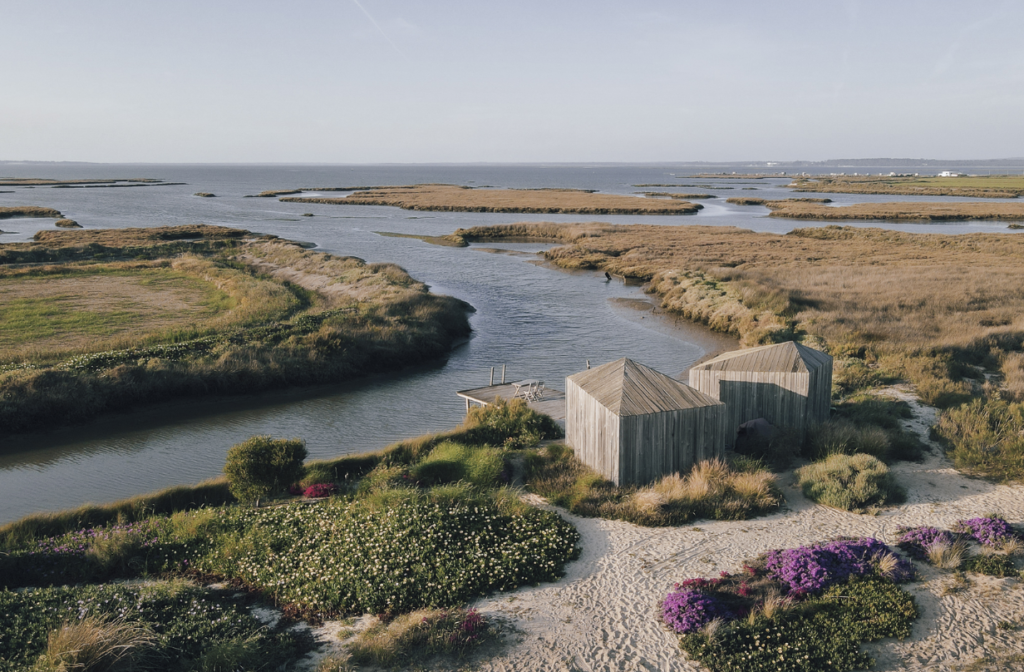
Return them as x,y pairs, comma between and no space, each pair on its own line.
93,645
29,211
947,556
712,489
989,186
794,209
67,224
451,198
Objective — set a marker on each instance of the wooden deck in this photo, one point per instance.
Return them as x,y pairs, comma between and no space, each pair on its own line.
551,402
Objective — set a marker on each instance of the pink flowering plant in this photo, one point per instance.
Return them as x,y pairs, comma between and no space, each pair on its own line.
321,490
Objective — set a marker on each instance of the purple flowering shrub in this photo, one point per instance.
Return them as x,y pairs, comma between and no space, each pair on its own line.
797,573
690,609
916,541
986,531
321,490
812,569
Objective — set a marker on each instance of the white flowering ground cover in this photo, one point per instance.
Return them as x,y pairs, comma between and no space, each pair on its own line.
416,550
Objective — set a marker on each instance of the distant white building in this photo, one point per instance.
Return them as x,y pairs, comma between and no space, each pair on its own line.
949,173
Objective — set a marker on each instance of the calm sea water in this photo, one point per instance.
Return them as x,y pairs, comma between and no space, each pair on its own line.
538,321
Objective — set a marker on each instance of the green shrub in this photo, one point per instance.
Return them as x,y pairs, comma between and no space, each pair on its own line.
260,466
512,424
449,462
992,565
850,482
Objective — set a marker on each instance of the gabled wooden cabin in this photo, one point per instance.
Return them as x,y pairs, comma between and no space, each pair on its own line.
634,425
787,384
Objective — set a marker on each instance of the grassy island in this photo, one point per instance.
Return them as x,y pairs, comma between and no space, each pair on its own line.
97,320
987,186
46,182
29,211
452,198
937,310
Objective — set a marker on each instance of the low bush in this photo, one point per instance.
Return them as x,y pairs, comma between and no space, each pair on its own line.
711,490
412,638
261,466
512,424
850,482
991,564
986,438
842,436
158,626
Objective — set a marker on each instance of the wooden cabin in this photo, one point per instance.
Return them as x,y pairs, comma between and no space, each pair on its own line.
634,425
787,384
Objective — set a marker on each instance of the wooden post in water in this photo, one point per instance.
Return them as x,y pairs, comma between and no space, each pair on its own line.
502,374
588,363
492,377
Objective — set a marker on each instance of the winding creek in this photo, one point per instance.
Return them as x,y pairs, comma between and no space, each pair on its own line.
540,322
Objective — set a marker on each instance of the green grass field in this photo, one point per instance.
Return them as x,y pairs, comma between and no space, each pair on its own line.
67,311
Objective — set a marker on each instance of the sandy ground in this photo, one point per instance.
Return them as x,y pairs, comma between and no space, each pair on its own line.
603,615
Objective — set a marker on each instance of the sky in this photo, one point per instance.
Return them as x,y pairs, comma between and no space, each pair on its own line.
404,81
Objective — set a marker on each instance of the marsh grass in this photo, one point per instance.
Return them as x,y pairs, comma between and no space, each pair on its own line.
710,490
856,483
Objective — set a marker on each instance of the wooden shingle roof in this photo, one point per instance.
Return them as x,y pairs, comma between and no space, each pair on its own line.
627,388
786,357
